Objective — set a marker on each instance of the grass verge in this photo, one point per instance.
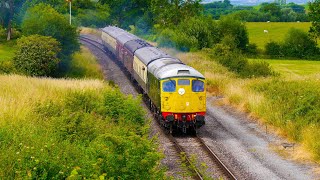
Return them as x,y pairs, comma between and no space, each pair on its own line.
84,65
72,129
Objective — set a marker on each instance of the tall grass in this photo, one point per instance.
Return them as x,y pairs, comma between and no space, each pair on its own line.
76,129
290,105
84,65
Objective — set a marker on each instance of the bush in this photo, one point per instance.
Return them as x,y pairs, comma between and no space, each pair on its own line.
235,61
42,19
2,34
37,55
274,49
299,44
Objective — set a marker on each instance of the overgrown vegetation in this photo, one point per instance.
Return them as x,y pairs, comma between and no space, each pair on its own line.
73,129
37,55
44,20
84,65
297,44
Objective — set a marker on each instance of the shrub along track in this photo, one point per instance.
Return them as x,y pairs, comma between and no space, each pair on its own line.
206,163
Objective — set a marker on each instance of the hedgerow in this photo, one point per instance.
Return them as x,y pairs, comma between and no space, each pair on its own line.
80,137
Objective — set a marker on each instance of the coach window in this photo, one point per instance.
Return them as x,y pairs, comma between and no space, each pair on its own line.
184,82
197,86
169,86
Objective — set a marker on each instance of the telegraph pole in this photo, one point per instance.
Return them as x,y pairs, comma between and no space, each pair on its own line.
69,9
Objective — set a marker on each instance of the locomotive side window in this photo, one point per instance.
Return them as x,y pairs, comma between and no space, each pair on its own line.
184,82
197,86
169,86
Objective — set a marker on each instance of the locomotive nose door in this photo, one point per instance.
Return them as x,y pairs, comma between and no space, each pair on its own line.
184,103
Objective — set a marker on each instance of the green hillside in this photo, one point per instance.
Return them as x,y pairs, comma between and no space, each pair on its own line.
276,31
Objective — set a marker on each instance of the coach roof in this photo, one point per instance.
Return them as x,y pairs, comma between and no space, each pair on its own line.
114,31
136,44
123,38
149,54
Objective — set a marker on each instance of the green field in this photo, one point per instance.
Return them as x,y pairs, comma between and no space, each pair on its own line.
294,68
6,52
276,31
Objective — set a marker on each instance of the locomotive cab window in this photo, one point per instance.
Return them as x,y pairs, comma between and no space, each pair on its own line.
184,82
197,86
169,86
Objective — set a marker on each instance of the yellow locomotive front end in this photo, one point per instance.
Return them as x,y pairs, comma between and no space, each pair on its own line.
183,101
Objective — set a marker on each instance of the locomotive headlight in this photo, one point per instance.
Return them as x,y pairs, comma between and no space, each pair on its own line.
200,98
166,98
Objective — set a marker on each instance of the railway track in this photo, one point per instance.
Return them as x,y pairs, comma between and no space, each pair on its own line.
179,148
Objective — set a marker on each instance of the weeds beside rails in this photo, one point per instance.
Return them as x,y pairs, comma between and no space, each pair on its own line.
58,129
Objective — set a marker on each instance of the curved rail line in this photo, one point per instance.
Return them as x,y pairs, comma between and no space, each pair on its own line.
180,150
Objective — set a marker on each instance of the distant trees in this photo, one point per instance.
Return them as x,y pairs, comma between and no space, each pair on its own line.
268,12
37,55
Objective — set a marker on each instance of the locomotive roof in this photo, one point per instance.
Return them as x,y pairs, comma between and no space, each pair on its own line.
136,44
149,54
114,31
161,71
123,38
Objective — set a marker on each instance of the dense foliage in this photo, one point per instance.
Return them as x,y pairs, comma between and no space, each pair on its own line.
267,12
37,55
297,44
314,15
44,20
228,55
87,134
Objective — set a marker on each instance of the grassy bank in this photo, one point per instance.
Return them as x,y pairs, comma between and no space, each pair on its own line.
276,31
294,68
291,106
84,65
58,129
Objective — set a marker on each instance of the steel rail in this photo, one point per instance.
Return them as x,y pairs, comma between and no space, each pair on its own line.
215,158
180,150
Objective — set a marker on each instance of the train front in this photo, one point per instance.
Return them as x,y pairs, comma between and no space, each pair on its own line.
183,97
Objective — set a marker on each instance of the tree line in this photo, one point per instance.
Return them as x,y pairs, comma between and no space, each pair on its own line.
273,12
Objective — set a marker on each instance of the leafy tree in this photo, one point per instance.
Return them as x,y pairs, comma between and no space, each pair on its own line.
314,15
203,29
172,12
272,8
42,19
231,26
297,43
94,17
126,12
37,55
